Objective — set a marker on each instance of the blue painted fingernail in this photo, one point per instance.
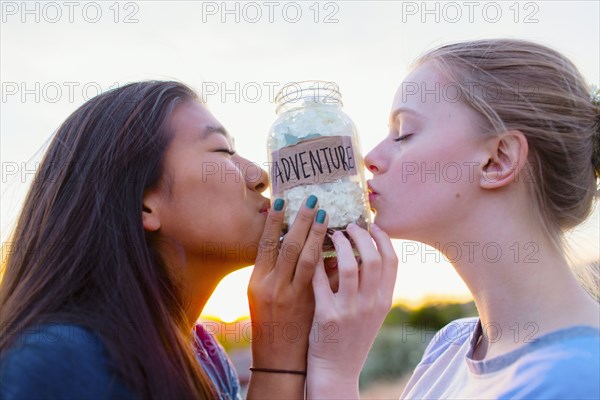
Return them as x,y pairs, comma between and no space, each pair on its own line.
278,206
321,216
312,201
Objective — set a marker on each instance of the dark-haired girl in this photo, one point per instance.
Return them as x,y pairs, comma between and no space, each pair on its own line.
141,206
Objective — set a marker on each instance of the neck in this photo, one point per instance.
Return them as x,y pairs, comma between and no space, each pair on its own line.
521,283
198,279
198,289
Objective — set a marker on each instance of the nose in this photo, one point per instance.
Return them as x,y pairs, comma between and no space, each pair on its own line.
257,179
378,158
370,162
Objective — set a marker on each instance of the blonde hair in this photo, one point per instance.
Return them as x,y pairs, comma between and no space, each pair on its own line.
525,86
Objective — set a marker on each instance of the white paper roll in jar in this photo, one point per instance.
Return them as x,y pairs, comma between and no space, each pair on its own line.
313,148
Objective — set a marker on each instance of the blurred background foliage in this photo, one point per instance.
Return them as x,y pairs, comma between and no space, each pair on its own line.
396,351
404,336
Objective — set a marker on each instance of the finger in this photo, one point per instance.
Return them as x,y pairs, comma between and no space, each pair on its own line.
331,269
347,266
370,269
294,240
321,289
389,259
268,246
312,251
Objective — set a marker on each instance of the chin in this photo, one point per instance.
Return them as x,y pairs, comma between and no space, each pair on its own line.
248,247
248,255
237,258
395,228
387,224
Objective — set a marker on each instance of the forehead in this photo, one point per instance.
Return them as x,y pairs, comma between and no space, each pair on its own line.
424,90
426,72
422,85
191,121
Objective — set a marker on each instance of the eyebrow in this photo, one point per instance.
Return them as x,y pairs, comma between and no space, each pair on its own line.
214,129
401,110
209,130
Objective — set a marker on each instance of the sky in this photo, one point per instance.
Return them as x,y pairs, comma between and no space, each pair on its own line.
56,55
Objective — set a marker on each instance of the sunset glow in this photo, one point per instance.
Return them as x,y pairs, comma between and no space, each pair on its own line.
237,66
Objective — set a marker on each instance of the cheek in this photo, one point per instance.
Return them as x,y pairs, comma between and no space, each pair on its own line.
196,200
422,182
438,162
414,167
227,208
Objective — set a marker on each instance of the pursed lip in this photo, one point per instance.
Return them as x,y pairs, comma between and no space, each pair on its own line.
266,207
373,194
371,189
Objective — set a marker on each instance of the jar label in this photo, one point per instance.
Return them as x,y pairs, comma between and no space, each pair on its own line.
320,160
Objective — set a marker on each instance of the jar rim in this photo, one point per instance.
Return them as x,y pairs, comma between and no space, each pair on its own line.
324,90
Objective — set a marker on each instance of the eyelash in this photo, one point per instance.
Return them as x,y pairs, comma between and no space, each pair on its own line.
403,137
230,152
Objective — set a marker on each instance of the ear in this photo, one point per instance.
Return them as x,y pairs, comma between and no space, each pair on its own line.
506,159
150,218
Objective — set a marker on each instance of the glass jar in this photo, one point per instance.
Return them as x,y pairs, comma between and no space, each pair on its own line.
313,148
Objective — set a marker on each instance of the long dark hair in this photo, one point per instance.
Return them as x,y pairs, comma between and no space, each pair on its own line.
80,253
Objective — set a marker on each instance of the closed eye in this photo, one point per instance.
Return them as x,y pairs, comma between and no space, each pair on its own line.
230,152
403,137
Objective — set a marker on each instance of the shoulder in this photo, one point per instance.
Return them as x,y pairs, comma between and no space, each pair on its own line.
58,344
568,368
57,361
454,334
440,352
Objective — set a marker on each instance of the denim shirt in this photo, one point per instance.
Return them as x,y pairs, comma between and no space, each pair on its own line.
69,361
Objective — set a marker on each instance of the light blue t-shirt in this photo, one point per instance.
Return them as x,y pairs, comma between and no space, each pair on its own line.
70,362
563,364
